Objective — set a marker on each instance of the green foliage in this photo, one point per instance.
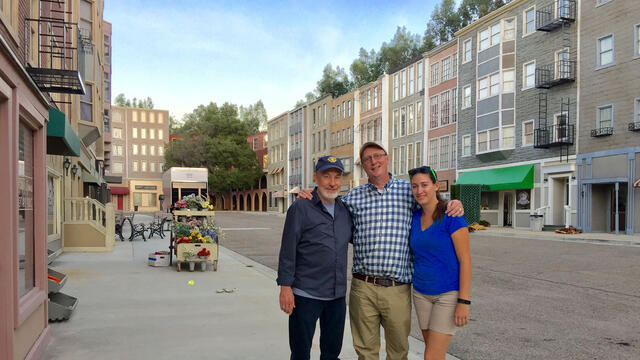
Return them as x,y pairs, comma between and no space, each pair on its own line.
254,116
471,10
121,100
445,21
366,68
216,138
334,82
403,48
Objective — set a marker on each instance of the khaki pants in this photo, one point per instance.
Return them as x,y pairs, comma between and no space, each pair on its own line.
371,306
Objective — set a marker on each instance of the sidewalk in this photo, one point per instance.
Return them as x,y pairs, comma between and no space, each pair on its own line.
129,310
592,238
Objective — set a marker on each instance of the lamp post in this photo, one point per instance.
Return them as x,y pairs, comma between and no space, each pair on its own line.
66,164
74,170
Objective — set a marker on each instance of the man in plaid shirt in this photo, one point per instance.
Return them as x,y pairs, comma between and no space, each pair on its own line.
380,292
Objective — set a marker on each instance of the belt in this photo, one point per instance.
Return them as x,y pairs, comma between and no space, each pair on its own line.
377,280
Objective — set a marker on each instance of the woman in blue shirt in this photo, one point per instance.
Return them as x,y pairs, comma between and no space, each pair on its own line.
442,265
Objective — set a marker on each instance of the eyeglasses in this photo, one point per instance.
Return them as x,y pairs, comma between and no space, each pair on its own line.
423,170
368,159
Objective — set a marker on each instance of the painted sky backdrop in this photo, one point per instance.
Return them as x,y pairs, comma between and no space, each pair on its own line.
186,53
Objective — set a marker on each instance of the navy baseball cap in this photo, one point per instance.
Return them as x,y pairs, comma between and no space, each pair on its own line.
329,162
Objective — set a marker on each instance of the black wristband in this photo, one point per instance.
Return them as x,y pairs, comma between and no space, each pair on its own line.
463,301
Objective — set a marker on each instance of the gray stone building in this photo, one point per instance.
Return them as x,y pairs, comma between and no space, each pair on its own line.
317,138
297,157
517,111
278,144
609,131
406,103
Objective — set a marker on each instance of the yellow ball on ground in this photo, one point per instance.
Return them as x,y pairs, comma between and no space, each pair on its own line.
190,282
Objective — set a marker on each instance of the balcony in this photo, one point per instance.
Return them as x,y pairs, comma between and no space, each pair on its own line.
603,131
634,126
56,70
555,15
554,135
557,73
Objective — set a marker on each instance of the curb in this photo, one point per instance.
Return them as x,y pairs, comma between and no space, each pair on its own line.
536,236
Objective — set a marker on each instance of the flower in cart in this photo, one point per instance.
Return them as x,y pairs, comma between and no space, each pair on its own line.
204,252
208,239
210,207
184,240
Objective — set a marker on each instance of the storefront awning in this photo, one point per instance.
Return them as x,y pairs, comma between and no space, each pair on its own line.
119,190
61,139
507,178
90,178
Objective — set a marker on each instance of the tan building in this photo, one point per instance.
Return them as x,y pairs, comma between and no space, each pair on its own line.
278,135
317,139
371,119
341,139
138,142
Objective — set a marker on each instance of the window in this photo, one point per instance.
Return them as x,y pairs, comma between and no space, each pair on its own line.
488,140
419,118
375,97
152,150
135,133
403,160
314,142
135,166
433,153
467,51
152,167
509,29
143,133
348,135
419,153
433,123
444,152
529,19
396,120
507,81
527,133
420,80
116,168
495,85
152,117
117,133
412,120
344,110
636,42
466,145
143,117
454,105
160,134
395,160
444,108
160,151
494,139
144,149
605,51
454,151
368,99
134,116
434,74
324,117
395,87
412,80
484,40
160,118
454,65
135,149
483,88
528,75
349,108
26,242
495,34
118,149
636,117
403,121
410,157
446,69
466,101
404,83
508,137
604,117
152,134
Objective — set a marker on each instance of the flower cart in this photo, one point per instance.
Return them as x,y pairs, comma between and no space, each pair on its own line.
194,239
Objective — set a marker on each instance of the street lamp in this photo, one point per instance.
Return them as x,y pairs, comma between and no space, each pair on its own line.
74,170
66,164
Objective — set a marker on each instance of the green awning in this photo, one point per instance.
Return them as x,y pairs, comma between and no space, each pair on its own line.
507,178
61,139
90,178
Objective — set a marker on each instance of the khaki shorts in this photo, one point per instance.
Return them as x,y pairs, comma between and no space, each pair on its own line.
436,312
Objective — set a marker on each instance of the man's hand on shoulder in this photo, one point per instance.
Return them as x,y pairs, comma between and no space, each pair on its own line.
305,194
454,208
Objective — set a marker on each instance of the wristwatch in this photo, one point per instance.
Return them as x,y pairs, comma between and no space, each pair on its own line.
463,301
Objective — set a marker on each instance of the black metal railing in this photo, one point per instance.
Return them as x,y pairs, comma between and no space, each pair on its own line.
554,135
603,131
559,72
552,16
634,126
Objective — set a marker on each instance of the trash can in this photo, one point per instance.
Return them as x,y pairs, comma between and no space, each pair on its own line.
135,208
536,222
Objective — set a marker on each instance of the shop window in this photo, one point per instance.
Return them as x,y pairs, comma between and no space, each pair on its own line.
26,238
137,199
53,205
489,200
523,199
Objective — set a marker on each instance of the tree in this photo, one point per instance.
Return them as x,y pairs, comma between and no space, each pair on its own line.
299,103
146,103
445,21
334,82
366,68
216,138
254,116
471,10
120,100
403,48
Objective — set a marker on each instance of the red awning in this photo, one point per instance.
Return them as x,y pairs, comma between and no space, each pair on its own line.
119,190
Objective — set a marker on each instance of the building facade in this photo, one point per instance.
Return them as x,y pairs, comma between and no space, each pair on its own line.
441,98
278,135
297,156
406,110
341,138
372,114
608,161
318,137
517,111
138,142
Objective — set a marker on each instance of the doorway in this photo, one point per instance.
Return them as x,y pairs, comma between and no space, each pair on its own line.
507,209
560,193
622,208
119,202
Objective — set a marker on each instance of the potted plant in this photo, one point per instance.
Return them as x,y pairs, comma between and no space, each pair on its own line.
204,255
188,255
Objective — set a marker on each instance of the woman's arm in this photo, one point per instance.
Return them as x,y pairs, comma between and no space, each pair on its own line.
463,253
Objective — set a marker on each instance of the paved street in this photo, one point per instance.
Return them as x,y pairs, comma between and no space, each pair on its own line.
532,299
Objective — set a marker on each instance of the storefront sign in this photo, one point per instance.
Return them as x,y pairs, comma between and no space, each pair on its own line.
146,187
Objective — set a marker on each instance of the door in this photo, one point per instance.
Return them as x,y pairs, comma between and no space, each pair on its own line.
507,209
622,208
119,202
561,131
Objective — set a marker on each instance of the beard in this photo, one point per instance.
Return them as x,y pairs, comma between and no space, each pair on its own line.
330,196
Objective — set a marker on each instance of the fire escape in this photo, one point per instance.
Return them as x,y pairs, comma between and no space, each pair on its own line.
560,130
56,69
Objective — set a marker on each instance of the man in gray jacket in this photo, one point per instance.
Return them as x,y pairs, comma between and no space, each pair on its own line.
312,268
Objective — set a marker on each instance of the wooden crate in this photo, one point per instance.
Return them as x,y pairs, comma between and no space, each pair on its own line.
213,248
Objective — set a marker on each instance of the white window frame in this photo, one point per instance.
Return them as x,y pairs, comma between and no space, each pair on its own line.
446,76
412,80
512,83
636,41
375,97
420,76
418,151
511,31
467,49
601,107
602,2
524,75
636,108
395,160
465,104
410,156
466,139
396,123
493,34
524,132
524,21
503,137
396,92
404,84
434,74
599,65
135,149
434,152
487,39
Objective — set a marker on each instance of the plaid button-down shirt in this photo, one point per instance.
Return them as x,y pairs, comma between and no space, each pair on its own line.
382,224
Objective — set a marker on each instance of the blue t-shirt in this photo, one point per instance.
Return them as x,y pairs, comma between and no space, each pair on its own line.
436,269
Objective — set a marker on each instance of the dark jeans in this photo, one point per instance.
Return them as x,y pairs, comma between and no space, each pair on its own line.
302,325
